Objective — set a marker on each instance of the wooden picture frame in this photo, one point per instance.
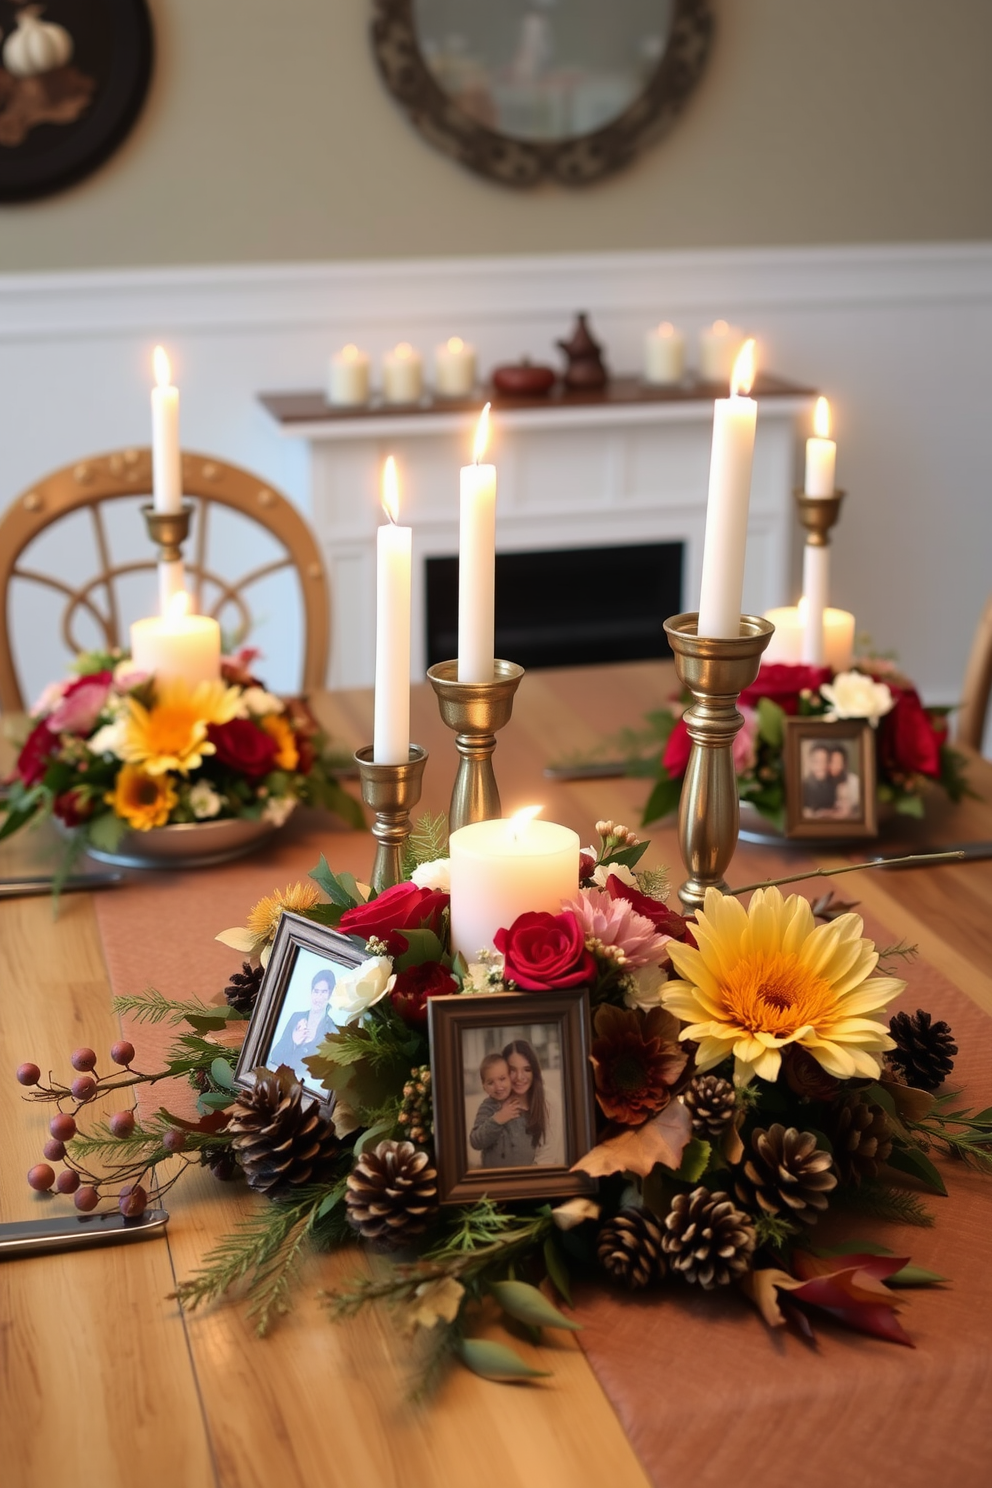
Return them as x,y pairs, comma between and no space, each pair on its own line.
301,952
829,778
468,1032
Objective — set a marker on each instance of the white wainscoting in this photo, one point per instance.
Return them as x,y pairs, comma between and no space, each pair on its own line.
899,336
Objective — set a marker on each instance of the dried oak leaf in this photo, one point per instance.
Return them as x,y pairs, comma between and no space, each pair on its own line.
627,1149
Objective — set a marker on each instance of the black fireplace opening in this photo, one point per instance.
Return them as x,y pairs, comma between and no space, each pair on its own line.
569,606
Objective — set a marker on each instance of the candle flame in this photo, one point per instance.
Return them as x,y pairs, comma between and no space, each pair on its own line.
455,345
481,434
666,328
390,490
743,374
821,419
163,372
522,819
178,606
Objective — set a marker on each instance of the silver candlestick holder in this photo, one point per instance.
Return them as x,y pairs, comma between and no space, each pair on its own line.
391,792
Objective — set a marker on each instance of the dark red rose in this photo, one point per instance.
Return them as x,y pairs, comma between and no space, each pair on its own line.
587,864
413,987
73,806
39,746
236,670
542,951
909,739
662,918
677,751
782,683
243,746
403,907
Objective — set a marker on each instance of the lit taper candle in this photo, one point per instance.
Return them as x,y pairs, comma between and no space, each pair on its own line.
477,564
821,462
167,470
724,545
391,729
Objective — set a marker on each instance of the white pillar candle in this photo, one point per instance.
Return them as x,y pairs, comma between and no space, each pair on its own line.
454,368
816,583
391,729
724,544
664,355
838,639
402,375
719,345
785,646
167,474
177,644
477,565
500,869
348,378
821,454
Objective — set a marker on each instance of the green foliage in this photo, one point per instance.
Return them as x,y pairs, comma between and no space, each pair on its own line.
883,1201
335,886
695,1160
368,1064
152,1006
775,1231
958,1131
528,1305
771,723
427,841
664,798
106,832
495,1361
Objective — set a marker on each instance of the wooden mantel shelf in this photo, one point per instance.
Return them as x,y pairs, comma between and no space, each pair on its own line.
624,400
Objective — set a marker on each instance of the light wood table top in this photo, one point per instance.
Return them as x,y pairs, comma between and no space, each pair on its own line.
103,1381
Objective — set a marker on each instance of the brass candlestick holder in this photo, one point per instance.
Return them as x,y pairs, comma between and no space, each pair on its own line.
476,711
715,671
391,791
168,530
818,514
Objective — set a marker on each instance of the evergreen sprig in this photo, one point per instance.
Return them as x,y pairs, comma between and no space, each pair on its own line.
152,1006
961,1133
883,1201
427,841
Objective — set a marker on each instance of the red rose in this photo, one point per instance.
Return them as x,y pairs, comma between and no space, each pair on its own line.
662,918
33,759
413,987
909,739
243,746
542,951
677,751
73,806
782,683
403,907
587,865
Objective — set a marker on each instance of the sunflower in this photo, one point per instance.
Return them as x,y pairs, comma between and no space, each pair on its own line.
635,1062
769,976
264,916
172,735
142,800
277,728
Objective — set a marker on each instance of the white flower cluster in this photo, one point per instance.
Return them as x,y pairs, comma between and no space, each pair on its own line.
855,695
357,990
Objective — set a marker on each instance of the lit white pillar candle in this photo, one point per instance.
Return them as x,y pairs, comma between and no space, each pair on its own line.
177,644
454,368
838,639
402,375
477,564
348,378
821,454
785,646
664,355
722,586
719,345
391,729
501,869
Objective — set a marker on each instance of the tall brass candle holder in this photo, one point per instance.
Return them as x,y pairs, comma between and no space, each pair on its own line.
168,530
476,711
818,514
391,791
715,671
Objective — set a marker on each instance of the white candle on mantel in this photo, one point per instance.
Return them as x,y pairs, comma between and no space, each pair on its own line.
348,377
821,454
177,644
167,471
391,729
477,564
725,541
454,368
500,869
402,375
719,347
664,355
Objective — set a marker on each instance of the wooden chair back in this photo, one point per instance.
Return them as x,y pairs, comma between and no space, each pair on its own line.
977,684
207,482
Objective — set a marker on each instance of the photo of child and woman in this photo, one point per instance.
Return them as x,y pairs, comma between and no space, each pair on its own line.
513,1096
831,779
303,1021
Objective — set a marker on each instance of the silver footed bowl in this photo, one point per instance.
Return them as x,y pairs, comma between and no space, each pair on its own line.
188,844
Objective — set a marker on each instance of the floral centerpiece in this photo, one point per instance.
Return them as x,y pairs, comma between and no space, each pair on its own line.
747,1077
112,750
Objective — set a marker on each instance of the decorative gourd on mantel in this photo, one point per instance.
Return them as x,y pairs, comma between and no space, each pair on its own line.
36,46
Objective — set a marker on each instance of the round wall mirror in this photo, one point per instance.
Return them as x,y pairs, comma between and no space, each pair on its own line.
522,90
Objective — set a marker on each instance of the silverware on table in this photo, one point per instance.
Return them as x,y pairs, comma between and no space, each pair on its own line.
75,1231
15,888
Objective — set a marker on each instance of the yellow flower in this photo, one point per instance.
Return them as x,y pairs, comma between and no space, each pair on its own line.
172,735
142,800
277,728
255,938
770,976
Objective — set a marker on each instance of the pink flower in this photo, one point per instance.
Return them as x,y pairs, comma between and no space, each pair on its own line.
615,922
81,705
744,744
50,698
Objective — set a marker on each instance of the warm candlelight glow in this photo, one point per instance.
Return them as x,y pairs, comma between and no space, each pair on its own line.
743,373
720,327
821,419
163,372
403,350
178,606
455,345
350,353
522,819
481,434
390,490
666,328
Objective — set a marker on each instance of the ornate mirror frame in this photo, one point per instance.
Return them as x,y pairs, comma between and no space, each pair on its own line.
514,162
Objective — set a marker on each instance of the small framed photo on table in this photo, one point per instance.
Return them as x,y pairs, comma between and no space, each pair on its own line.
291,1017
829,778
513,1100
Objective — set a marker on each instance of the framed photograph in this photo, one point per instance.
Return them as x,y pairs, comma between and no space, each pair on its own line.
291,1020
829,778
513,1099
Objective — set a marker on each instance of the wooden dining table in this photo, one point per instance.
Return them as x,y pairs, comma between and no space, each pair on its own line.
104,1380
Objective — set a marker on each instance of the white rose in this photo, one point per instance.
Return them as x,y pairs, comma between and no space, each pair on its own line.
433,875
645,993
257,701
853,695
278,808
357,990
204,800
619,870
107,740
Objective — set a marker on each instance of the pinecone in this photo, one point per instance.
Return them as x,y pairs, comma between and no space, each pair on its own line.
280,1137
417,1112
711,1103
707,1240
925,1050
629,1248
392,1192
241,991
862,1139
786,1173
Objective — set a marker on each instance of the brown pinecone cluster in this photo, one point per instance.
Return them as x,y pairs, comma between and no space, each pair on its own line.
278,1133
924,1052
711,1102
392,1193
862,1139
707,1240
241,991
417,1112
786,1174
629,1249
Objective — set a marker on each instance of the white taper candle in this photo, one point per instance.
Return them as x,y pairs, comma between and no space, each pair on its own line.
477,565
391,728
725,541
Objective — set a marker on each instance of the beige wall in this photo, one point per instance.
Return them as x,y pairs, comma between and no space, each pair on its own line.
268,136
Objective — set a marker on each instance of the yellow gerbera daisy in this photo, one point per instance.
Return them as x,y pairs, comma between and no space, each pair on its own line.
770,976
142,800
276,726
172,735
264,916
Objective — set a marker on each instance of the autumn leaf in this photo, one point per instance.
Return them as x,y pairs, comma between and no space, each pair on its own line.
637,1149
